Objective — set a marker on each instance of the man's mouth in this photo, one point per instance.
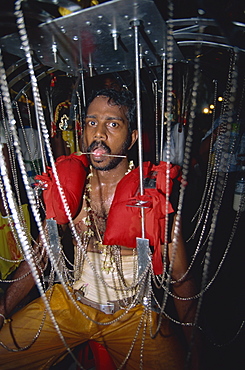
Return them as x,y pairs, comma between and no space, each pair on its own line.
98,150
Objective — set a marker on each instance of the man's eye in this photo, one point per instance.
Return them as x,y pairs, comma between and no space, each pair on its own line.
91,123
113,124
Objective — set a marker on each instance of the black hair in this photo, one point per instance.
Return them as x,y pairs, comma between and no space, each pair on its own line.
123,98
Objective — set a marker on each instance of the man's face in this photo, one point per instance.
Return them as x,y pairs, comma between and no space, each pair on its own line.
106,131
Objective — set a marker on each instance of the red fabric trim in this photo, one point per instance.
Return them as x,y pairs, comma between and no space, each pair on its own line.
72,172
124,222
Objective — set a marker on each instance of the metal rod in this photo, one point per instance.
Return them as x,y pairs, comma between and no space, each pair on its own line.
107,155
81,72
50,106
156,120
54,50
90,65
40,135
83,89
135,24
115,36
163,104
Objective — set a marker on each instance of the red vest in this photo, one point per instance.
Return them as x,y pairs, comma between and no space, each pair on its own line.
124,220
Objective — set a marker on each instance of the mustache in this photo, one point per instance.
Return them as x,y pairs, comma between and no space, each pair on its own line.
98,144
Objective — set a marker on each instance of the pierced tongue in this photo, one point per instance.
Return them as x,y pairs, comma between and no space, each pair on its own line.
98,152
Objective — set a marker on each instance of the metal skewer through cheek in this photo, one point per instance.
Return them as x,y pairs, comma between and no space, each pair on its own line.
107,155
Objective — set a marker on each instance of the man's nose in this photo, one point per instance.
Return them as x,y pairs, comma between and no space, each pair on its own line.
100,132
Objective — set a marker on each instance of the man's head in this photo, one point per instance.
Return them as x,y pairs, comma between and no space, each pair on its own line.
123,98
109,127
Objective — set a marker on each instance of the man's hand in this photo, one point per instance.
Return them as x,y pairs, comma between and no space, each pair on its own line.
1,320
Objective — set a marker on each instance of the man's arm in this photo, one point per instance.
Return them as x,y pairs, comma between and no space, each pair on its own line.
19,288
17,291
186,309
186,287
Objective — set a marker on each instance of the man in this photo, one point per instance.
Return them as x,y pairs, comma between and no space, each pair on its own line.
109,307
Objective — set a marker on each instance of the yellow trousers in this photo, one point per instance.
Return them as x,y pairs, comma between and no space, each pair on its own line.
163,352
